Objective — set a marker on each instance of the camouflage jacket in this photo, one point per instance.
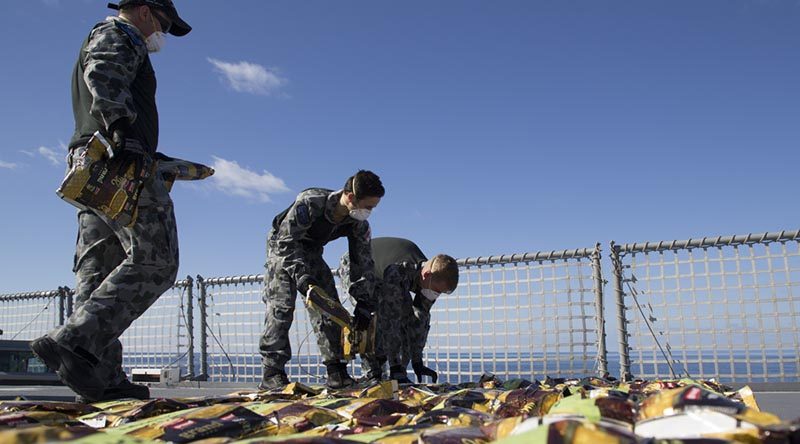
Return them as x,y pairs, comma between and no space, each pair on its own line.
307,226
113,79
399,281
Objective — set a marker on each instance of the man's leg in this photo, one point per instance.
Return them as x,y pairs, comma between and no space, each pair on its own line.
280,294
373,363
329,334
97,253
149,269
398,308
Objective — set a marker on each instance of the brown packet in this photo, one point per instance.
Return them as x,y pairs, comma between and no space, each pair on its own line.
27,419
107,182
220,420
454,435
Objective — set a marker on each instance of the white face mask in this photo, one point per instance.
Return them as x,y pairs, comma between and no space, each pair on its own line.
430,294
156,41
360,214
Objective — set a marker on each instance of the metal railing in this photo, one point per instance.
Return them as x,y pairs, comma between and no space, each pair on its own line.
163,335
27,316
721,307
231,327
233,324
521,316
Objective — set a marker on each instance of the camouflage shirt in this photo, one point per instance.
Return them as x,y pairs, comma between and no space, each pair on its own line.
113,79
399,281
307,226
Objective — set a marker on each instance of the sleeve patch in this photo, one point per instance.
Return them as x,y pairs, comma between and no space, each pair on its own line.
303,217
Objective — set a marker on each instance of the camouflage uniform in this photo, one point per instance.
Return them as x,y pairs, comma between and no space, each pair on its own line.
294,261
399,280
113,79
120,271
403,320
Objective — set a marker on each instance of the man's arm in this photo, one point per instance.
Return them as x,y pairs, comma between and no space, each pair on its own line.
395,287
362,266
292,231
420,327
111,61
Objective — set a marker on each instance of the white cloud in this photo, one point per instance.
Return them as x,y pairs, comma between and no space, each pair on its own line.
233,179
53,156
8,165
249,77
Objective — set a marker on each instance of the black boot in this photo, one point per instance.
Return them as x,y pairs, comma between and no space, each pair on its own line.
75,370
47,351
374,370
398,373
338,377
123,390
126,389
374,376
273,379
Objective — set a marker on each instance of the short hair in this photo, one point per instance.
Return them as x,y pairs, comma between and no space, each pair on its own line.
364,184
445,269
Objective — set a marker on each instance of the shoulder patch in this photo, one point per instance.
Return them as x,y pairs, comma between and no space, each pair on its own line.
128,29
303,216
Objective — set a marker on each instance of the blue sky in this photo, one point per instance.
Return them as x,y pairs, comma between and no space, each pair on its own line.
497,127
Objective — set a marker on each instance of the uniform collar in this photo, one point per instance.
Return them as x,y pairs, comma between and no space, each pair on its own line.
128,23
331,203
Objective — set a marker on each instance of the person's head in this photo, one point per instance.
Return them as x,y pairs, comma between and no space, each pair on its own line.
439,275
362,193
152,16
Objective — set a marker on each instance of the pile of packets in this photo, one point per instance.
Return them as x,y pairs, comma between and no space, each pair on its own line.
589,410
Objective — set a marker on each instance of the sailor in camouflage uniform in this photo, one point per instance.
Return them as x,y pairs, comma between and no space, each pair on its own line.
120,271
404,321
294,263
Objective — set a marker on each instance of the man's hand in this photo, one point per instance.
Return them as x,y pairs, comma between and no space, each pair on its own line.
118,132
420,370
363,315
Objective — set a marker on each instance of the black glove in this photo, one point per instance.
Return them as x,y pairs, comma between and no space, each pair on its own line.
363,315
420,370
118,131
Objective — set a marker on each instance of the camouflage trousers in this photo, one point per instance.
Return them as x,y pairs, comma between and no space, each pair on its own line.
120,272
392,341
280,294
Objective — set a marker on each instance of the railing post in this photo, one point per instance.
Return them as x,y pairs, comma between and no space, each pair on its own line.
190,323
69,295
622,322
602,354
62,295
203,376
